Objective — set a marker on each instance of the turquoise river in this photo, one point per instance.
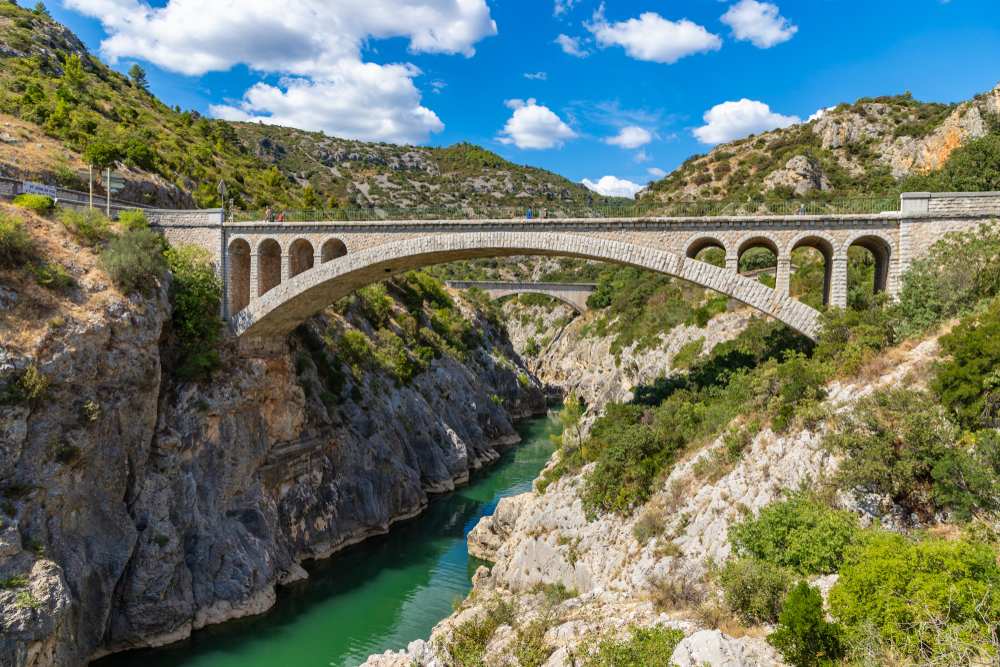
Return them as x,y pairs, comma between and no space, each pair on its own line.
372,597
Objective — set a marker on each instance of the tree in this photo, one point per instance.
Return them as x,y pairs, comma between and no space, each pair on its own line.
73,74
569,418
41,10
804,637
100,155
333,203
138,76
309,199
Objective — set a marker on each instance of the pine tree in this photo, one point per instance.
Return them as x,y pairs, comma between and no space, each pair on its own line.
309,199
333,203
138,76
42,11
804,637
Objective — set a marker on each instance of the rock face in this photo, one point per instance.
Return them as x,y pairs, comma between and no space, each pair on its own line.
801,173
713,648
493,531
174,506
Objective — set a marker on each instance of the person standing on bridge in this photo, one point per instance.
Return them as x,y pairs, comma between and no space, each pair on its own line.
281,217
529,214
267,214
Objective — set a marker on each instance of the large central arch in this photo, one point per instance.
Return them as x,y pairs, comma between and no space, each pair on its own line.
290,303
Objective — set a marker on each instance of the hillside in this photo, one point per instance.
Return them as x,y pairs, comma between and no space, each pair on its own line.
57,99
873,148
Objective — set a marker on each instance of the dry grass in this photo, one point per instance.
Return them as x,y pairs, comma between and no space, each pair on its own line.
676,592
889,359
33,162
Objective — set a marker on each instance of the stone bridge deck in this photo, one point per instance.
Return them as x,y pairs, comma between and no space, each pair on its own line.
277,275
574,294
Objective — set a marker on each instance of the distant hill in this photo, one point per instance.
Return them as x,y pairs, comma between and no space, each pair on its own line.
56,99
866,149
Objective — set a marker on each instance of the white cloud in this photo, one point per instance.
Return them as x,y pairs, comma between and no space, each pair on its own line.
654,38
758,23
541,76
630,137
534,126
316,45
642,157
819,114
735,120
609,186
571,45
656,171
563,6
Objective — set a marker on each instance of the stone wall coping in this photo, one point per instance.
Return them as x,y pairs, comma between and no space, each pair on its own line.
948,195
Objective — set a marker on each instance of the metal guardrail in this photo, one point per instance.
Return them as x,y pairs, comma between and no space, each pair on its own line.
658,210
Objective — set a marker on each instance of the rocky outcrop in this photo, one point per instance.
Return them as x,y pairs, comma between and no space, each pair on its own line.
801,173
492,531
714,648
137,509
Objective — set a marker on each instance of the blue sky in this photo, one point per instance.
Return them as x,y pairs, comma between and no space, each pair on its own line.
617,89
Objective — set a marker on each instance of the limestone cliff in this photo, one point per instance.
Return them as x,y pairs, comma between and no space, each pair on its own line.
137,509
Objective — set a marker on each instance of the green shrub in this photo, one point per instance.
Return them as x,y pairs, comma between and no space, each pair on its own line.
555,593
803,636
901,443
133,219
468,641
968,380
33,387
40,204
753,589
889,582
195,295
800,534
135,261
13,581
644,647
52,276
851,337
353,346
687,355
376,304
532,348
89,226
15,243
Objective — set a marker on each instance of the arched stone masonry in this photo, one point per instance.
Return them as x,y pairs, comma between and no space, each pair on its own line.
880,246
301,257
269,266
333,249
239,275
835,266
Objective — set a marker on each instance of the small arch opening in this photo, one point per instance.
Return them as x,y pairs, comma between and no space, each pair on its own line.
708,250
300,257
333,249
868,260
758,258
812,279
239,275
269,270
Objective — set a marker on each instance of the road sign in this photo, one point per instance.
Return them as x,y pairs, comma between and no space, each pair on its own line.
222,188
116,181
37,189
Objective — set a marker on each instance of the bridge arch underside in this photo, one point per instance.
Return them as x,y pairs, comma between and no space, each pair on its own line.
288,304
578,304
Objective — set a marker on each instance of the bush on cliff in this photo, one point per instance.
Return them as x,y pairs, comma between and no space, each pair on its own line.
134,261
803,636
968,380
40,204
15,243
754,590
195,295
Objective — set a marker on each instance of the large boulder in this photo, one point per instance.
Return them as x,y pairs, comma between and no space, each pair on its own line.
802,173
711,647
492,531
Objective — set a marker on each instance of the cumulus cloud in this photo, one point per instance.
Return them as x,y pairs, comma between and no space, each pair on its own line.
534,126
758,23
609,186
656,171
654,38
571,45
541,76
735,120
563,6
642,157
315,45
819,114
630,137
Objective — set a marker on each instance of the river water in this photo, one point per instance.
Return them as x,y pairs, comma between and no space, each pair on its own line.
371,597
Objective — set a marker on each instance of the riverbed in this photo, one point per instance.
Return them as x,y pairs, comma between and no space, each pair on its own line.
371,597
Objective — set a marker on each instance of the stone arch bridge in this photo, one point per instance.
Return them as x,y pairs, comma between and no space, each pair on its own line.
573,294
276,275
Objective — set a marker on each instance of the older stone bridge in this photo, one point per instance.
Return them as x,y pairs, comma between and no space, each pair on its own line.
574,294
277,275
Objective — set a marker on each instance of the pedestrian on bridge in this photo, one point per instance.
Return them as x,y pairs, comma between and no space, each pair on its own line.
529,214
267,214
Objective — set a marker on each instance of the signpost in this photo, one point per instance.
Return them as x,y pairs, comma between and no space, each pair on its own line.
222,190
116,181
88,175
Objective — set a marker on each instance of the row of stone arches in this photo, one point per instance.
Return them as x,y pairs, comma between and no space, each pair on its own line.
877,243
256,270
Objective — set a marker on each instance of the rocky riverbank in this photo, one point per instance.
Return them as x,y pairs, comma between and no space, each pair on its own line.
565,584
137,509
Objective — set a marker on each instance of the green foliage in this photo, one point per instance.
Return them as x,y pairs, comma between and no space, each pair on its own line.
162,540
955,274
138,76
851,337
73,73
51,275
40,204
135,261
644,647
13,581
889,582
195,295
800,534
753,589
133,219
101,155
32,389
687,355
756,259
555,593
66,454
468,641
89,226
803,636
309,199
532,348
15,243
353,346
968,380
376,304
27,600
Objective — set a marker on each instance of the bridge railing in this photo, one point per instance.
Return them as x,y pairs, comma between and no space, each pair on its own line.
657,210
